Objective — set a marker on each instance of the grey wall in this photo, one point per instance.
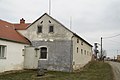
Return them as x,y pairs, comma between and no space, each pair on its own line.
59,55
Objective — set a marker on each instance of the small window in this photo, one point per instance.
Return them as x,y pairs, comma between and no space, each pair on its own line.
43,53
77,40
85,52
77,50
39,29
2,51
82,43
51,28
81,51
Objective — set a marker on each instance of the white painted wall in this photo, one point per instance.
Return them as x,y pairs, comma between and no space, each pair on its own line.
14,56
80,60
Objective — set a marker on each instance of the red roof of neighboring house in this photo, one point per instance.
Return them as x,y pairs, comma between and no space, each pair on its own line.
21,26
8,32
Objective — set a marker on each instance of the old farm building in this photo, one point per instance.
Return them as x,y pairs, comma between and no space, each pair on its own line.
48,44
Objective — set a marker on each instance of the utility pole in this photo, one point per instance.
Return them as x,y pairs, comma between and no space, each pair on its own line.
49,7
101,48
70,23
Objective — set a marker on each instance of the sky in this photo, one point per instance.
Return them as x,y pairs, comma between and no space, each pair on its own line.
90,19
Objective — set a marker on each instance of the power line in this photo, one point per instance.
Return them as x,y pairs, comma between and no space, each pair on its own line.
111,36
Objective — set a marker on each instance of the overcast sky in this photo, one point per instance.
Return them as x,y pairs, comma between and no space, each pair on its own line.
91,19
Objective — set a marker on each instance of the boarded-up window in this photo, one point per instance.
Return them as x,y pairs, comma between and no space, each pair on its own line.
39,29
43,53
51,28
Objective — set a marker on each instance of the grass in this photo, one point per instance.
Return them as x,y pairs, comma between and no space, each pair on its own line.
92,71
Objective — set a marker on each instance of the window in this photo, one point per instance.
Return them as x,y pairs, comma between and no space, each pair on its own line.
85,52
77,40
39,29
43,53
51,28
77,49
82,43
2,51
81,51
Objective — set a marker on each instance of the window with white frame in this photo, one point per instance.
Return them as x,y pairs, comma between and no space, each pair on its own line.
2,51
43,53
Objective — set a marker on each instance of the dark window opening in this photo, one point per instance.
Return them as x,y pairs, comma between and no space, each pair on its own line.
82,43
43,53
77,49
81,51
77,40
39,29
51,29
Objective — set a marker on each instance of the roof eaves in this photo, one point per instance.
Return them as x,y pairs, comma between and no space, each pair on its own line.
13,41
82,39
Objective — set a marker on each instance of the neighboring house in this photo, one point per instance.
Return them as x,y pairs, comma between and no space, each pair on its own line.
55,46
12,45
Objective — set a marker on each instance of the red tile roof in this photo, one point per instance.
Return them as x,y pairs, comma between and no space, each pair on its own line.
21,26
8,32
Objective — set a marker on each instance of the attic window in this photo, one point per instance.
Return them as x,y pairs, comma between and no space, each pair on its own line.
39,29
51,28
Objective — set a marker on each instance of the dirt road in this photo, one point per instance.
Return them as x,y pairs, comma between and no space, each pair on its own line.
116,69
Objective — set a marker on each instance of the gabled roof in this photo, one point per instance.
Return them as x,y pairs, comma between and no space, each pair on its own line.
8,32
61,25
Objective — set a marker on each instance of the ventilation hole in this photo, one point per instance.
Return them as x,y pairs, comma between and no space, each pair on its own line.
49,21
41,22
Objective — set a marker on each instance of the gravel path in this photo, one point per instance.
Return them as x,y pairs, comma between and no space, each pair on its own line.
116,69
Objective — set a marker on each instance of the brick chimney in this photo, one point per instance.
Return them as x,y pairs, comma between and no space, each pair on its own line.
22,21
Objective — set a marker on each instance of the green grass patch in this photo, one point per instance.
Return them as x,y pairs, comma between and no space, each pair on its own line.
92,71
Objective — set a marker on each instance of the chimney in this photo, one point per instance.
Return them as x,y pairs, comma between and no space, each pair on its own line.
22,21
